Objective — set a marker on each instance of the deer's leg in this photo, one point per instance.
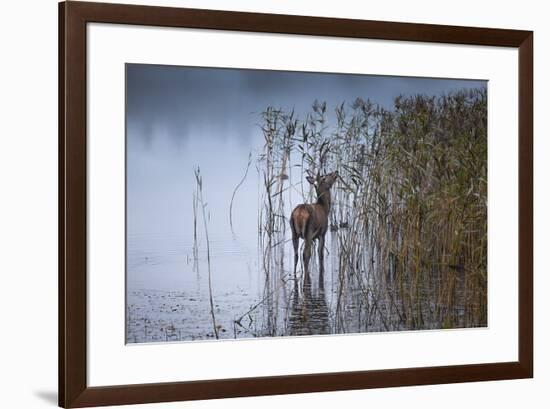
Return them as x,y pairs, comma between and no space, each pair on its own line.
306,256
295,244
321,253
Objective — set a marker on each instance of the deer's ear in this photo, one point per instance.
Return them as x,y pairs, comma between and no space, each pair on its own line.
310,179
335,176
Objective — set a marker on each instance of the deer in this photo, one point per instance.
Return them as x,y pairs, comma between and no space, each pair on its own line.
309,221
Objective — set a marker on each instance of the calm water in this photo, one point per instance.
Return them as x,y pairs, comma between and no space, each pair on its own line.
168,297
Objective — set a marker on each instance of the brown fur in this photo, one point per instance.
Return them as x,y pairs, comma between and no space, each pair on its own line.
305,214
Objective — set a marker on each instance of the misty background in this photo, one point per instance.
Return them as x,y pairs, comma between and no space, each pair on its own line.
179,118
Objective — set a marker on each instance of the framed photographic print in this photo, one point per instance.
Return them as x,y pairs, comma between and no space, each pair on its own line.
256,204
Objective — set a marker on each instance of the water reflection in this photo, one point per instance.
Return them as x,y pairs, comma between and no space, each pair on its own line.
309,310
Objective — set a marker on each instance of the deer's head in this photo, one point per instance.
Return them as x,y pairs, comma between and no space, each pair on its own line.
323,183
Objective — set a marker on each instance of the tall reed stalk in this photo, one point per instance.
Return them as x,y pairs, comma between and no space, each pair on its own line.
198,178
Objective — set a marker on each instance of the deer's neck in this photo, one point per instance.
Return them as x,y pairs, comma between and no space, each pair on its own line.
324,200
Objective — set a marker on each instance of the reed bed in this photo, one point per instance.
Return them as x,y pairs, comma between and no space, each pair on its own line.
408,224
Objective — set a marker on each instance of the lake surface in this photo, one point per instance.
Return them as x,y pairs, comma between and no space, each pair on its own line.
168,294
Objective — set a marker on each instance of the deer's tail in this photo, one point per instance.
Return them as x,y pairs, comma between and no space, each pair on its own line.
299,222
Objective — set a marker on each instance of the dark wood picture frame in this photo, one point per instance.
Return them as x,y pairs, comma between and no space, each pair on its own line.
73,388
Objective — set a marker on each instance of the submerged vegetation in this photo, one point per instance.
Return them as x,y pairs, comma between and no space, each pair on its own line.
408,225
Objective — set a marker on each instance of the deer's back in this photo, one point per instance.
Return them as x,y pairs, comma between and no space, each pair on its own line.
309,219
